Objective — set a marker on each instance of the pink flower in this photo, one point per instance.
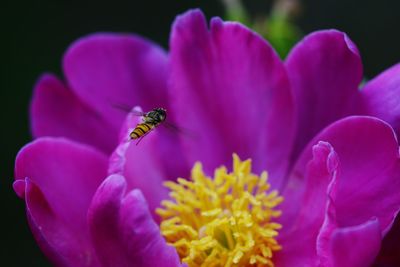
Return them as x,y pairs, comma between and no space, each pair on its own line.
330,148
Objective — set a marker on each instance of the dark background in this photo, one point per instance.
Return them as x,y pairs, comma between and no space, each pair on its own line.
36,33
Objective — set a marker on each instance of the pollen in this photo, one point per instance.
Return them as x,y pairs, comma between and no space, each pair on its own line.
227,220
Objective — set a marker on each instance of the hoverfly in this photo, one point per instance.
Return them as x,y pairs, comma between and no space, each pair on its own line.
150,121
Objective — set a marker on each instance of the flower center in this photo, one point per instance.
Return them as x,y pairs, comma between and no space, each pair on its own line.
222,221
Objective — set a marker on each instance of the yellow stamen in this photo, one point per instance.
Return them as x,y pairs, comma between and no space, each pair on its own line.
224,221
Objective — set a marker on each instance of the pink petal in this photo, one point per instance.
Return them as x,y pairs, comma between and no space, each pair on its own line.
56,111
364,185
141,235
144,171
62,245
355,246
19,188
300,230
103,219
325,70
369,179
123,230
350,246
389,255
62,178
107,70
158,157
370,171
381,97
231,89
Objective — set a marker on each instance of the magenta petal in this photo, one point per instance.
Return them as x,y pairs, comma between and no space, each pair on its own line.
56,111
231,89
369,180
381,97
364,185
19,188
106,70
350,246
141,235
157,158
325,70
123,230
142,169
389,255
62,245
300,230
355,246
103,219
67,174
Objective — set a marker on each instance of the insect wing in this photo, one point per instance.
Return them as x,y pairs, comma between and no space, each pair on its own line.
127,109
179,130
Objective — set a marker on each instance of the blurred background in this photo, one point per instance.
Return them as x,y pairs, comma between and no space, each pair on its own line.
36,33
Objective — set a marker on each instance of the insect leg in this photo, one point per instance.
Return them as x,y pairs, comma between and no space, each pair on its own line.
140,139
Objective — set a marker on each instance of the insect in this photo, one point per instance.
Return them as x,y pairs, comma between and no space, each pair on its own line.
150,121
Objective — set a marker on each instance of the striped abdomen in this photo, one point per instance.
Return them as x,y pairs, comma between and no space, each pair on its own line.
141,129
